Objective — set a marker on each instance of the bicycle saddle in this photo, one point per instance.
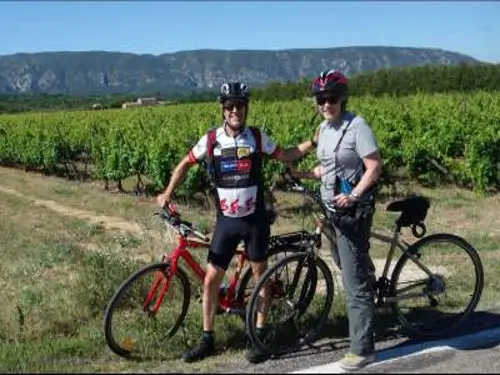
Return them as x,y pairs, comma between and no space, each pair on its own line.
413,209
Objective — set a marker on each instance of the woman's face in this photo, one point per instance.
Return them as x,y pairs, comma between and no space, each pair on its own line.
329,105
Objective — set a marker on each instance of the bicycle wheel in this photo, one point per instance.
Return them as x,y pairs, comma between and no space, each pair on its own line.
297,327
245,286
455,285
142,313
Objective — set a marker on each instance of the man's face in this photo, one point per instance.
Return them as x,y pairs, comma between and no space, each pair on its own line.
329,105
234,112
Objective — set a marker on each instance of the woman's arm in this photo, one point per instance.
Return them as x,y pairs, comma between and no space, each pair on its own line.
373,169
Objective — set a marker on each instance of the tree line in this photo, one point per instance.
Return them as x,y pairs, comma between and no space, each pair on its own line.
390,81
400,82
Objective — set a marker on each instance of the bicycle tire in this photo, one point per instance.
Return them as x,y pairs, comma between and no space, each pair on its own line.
112,342
440,238
301,258
247,275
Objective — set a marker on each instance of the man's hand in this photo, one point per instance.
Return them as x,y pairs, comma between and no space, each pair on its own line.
163,200
292,171
343,200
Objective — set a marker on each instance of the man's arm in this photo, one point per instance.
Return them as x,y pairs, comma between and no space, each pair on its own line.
314,174
294,153
297,152
197,153
178,175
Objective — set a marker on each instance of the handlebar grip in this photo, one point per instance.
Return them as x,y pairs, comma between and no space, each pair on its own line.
201,236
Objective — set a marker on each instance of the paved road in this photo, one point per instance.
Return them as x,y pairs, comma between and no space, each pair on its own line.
475,349
477,352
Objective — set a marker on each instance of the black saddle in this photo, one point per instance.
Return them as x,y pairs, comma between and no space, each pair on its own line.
413,210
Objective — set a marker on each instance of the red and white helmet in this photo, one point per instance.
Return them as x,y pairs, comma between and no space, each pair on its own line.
330,81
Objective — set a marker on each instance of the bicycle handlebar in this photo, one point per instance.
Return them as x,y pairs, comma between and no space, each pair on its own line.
183,227
294,185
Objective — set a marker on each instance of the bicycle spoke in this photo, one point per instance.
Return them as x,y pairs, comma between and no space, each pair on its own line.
437,304
146,311
302,294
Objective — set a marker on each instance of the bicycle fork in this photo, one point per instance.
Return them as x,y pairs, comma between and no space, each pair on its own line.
160,278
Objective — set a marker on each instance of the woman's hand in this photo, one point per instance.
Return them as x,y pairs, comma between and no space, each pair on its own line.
318,171
344,200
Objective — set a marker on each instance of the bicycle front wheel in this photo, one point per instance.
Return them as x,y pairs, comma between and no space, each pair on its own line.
300,295
146,310
436,285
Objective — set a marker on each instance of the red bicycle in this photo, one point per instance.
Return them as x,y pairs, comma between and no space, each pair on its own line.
138,319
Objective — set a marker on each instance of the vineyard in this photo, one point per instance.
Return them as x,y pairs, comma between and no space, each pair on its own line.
429,138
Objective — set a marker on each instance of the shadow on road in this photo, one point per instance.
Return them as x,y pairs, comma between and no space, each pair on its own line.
481,331
475,333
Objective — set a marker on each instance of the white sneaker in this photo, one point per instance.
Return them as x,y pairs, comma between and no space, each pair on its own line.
353,361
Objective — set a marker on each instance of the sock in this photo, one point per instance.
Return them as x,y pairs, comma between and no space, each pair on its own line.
208,334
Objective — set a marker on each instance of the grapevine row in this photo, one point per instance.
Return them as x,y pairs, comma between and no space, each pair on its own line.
427,136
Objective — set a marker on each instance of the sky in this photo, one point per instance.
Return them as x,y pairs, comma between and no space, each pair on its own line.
167,26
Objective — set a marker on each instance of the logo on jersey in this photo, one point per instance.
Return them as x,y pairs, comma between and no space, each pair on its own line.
236,166
235,178
243,152
233,207
228,152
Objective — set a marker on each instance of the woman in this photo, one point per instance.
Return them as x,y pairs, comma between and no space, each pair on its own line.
349,168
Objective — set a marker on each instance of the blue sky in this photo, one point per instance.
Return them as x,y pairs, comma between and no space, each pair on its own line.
472,28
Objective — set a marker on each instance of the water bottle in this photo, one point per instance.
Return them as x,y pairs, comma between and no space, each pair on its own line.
342,185
345,186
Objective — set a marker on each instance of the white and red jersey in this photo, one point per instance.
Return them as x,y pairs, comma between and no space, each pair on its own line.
237,169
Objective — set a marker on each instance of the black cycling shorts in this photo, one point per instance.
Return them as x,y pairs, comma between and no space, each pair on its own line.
254,230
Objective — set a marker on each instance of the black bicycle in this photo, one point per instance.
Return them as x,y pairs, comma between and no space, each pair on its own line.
430,299
298,290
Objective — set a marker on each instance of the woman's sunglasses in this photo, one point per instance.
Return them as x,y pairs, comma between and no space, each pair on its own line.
232,103
321,100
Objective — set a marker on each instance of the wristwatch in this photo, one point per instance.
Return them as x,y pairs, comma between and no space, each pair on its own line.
314,144
355,195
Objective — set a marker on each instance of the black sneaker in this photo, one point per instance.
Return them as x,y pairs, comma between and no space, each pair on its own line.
204,349
254,354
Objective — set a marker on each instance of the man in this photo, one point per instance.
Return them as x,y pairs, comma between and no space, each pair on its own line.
350,166
236,170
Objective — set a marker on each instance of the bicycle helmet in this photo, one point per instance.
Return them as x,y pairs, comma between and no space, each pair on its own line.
231,90
330,81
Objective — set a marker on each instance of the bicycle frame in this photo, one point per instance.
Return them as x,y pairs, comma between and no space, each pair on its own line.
227,300
395,242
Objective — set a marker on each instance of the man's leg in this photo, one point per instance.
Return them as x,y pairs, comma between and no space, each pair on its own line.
257,245
226,238
210,303
258,268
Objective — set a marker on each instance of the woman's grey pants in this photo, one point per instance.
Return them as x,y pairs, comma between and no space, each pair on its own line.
352,257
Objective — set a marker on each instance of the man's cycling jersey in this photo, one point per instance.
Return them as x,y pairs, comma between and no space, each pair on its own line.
237,170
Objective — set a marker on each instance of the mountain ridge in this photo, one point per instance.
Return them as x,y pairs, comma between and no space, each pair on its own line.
98,72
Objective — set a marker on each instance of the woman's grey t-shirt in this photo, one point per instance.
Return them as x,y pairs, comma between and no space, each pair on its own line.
358,142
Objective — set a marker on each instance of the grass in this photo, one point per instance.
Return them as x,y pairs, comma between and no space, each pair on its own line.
66,246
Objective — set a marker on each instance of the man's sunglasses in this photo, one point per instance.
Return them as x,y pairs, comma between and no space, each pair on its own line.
231,103
321,100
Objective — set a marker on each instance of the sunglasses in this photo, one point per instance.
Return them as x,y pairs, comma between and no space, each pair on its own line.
321,100
232,103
